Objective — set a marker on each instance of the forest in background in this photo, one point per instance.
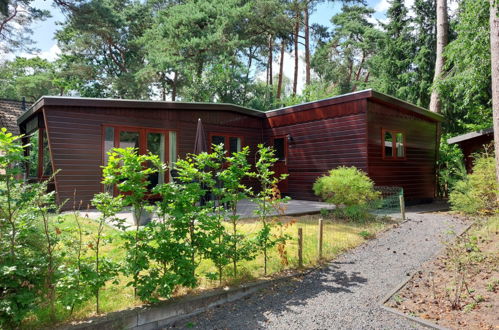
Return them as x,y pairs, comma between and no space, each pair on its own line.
223,51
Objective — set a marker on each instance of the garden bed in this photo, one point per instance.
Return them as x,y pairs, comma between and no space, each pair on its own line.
460,288
339,236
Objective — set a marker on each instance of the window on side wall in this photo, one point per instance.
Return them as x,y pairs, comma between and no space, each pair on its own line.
39,163
231,143
393,144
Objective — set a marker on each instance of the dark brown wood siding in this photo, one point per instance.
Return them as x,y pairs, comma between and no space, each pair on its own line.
323,138
75,139
415,173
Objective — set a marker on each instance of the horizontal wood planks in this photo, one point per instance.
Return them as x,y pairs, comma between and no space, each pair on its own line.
321,139
415,173
75,139
321,136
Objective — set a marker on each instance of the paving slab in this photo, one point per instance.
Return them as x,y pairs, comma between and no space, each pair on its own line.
246,209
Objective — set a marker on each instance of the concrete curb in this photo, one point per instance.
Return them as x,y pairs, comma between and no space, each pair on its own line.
419,320
167,312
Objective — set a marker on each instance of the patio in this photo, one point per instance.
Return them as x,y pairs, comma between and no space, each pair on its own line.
246,209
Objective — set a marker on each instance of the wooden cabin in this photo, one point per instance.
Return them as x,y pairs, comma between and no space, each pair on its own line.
393,141
471,143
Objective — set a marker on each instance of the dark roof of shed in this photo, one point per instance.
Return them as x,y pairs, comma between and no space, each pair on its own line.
10,110
138,104
470,136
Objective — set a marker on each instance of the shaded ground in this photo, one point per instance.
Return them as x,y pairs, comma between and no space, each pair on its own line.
346,293
431,294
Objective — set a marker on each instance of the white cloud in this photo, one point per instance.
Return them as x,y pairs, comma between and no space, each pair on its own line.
382,6
50,55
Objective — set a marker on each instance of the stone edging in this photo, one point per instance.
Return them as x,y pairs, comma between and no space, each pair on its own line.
419,320
167,312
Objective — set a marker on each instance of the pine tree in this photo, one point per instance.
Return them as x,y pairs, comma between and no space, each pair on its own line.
391,65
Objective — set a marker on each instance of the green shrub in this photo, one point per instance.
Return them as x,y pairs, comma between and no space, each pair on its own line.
345,186
477,193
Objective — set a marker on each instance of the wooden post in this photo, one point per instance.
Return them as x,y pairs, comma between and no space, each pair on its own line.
300,247
320,238
402,206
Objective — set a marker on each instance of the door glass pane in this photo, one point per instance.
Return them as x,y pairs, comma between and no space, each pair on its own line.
234,144
388,144
47,165
215,139
129,139
33,155
108,142
280,153
400,145
156,145
172,148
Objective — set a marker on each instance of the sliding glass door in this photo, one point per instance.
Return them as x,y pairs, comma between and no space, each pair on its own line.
157,141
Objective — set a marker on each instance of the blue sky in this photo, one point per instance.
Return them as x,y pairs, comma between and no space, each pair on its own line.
44,31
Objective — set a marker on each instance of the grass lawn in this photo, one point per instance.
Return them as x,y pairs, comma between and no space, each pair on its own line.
338,236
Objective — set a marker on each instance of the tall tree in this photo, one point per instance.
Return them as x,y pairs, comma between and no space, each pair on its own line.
342,61
421,75
103,35
281,68
392,64
494,52
465,89
30,78
442,41
16,17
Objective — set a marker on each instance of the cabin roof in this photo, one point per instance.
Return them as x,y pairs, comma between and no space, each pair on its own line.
470,136
140,105
363,94
135,104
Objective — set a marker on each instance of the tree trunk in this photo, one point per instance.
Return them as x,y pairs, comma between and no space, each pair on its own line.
174,86
296,32
281,69
442,41
494,57
307,44
271,59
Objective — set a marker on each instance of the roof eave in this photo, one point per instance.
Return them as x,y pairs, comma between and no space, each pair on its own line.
138,104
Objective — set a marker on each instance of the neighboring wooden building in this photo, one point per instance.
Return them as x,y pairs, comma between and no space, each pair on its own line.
10,110
393,141
471,143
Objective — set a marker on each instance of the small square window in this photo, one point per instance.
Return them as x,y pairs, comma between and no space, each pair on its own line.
393,145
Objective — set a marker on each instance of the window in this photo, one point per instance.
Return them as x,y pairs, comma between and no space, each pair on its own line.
231,143
144,140
280,148
388,144
393,145
40,165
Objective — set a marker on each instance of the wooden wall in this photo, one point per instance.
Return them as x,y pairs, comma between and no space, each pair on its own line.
323,137
75,139
416,173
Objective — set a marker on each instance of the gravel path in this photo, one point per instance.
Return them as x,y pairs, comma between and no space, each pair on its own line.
346,293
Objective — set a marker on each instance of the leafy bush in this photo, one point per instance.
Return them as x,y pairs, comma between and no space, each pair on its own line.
345,186
477,193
